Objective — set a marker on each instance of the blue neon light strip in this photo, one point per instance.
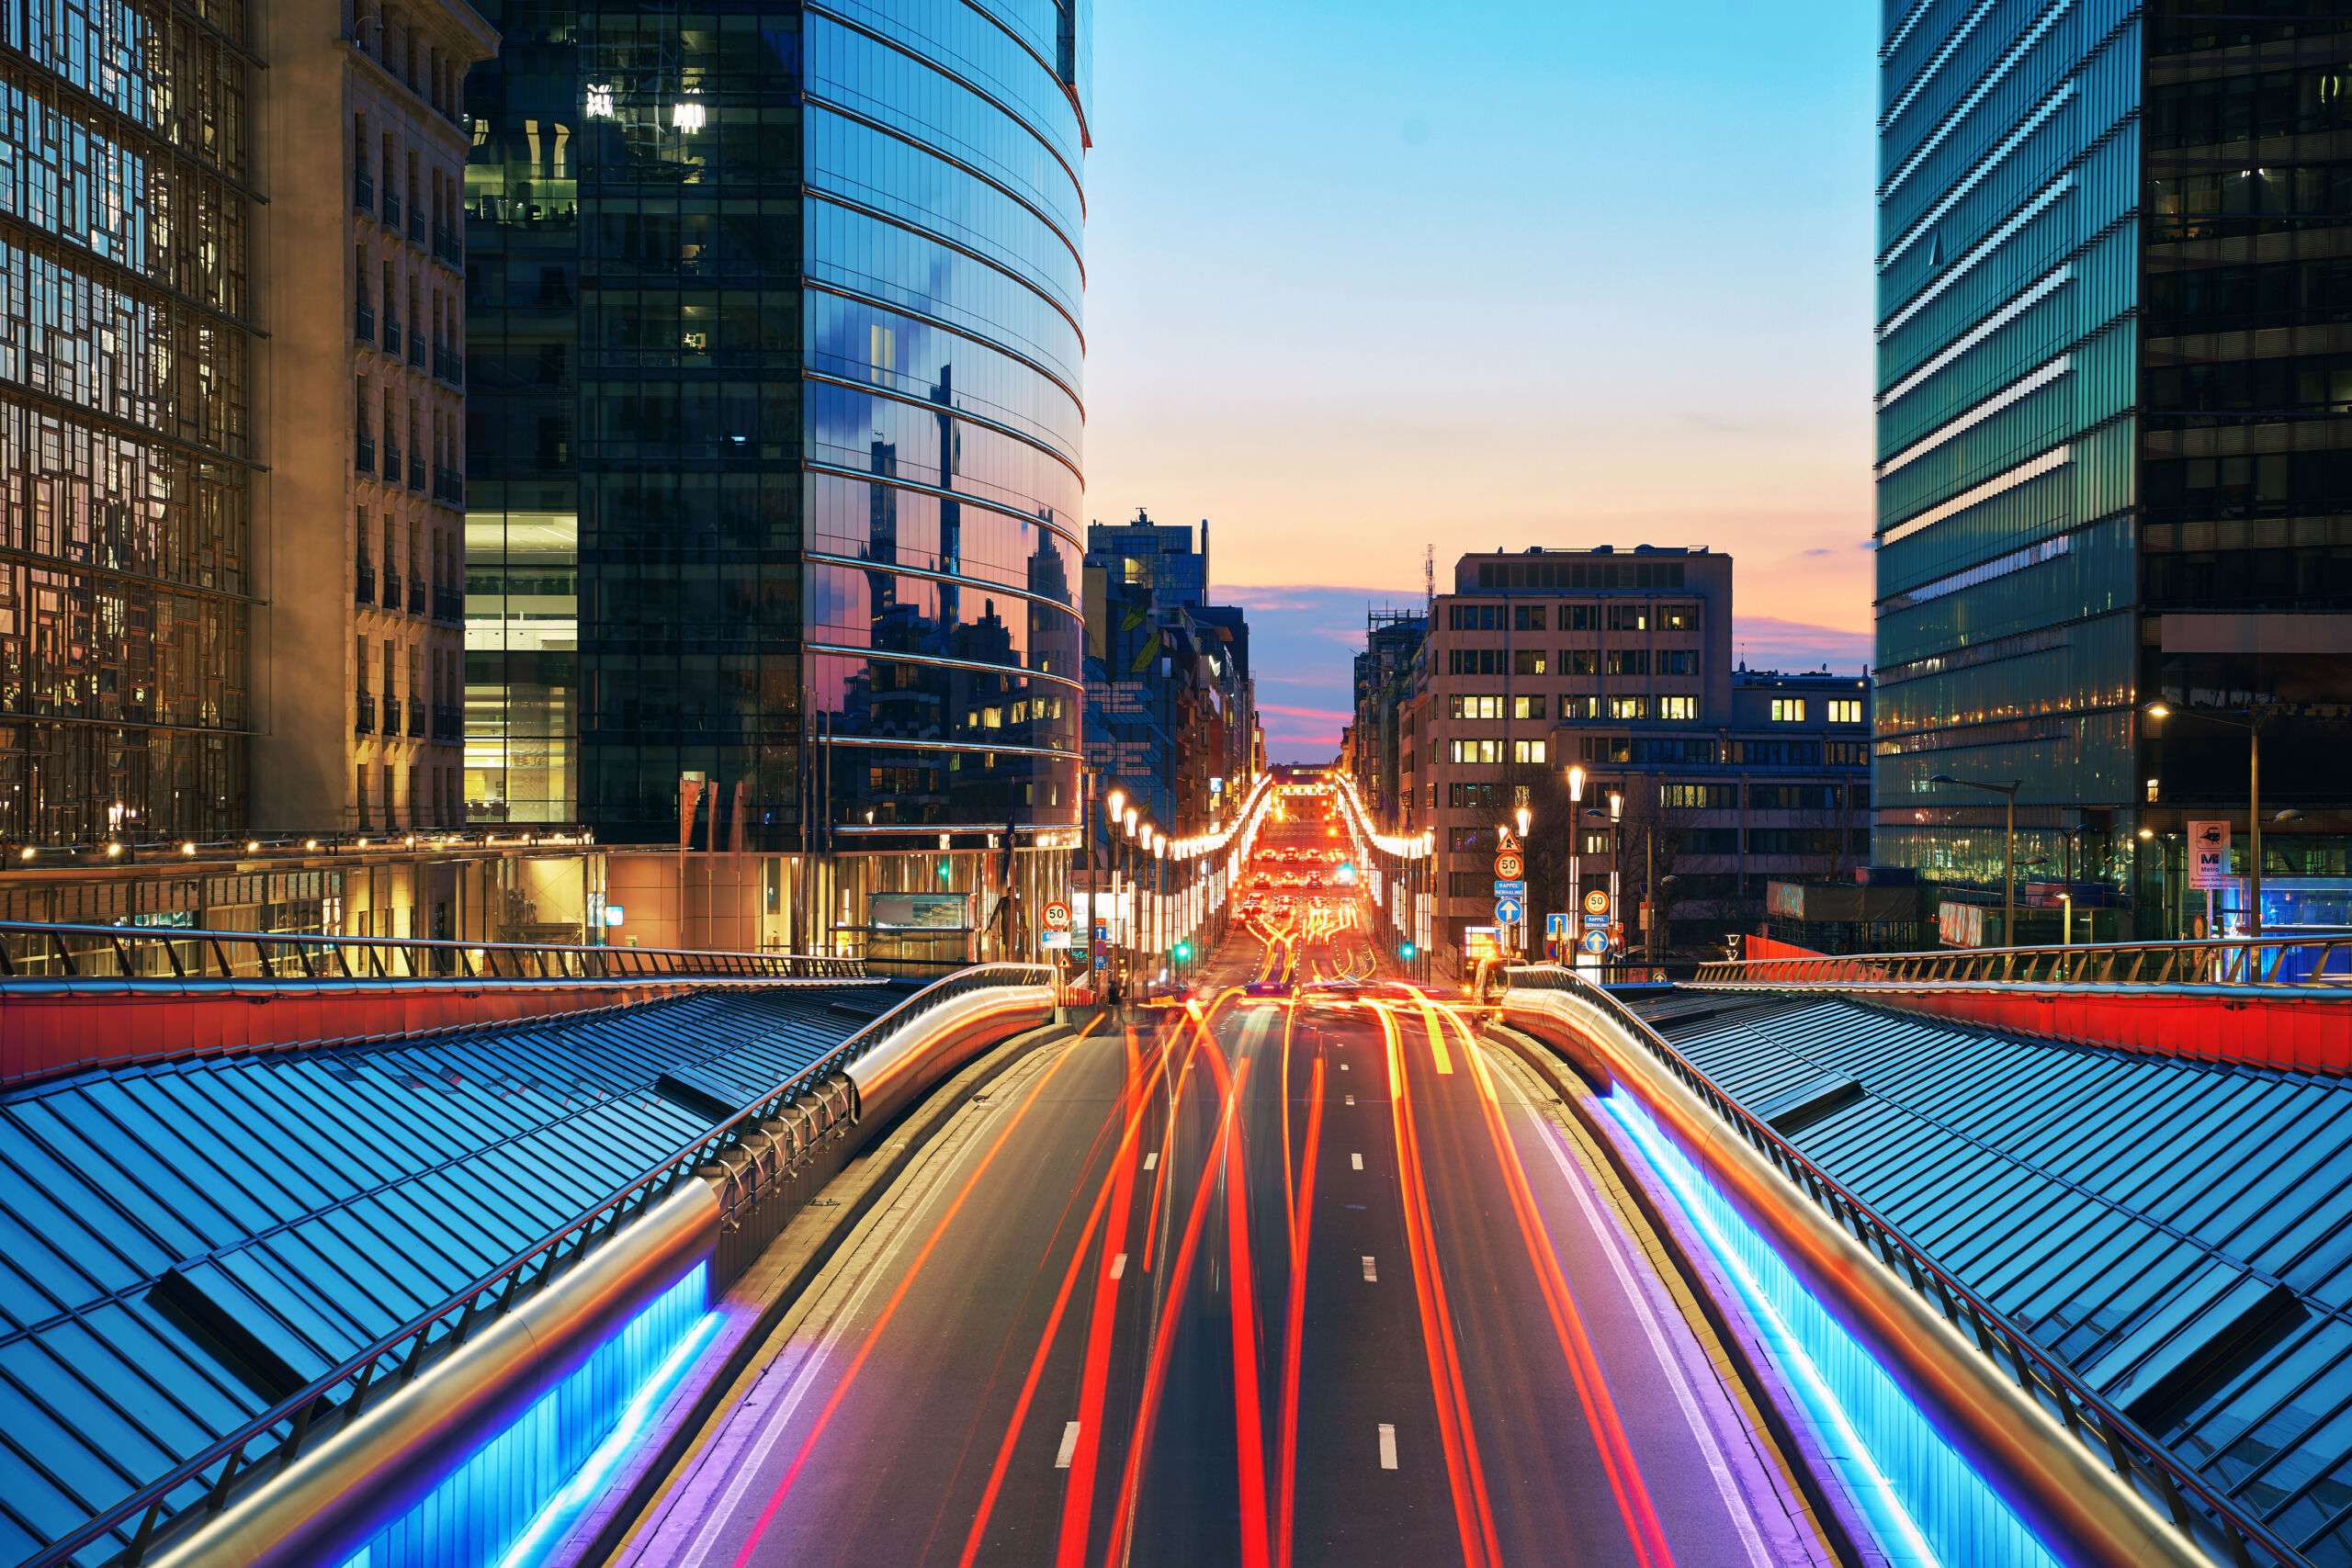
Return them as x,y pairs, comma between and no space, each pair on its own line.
512,1501
1927,1505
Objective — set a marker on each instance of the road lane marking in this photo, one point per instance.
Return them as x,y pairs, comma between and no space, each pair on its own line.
1070,1446
1370,1272
1151,1160
1118,1265
1351,1100
1343,1067
1612,1245
1357,1160
1387,1446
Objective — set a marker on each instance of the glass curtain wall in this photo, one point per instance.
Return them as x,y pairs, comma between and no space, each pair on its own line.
124,434
777,433
2007,374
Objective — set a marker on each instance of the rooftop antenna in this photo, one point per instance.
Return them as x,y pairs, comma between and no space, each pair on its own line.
1429,581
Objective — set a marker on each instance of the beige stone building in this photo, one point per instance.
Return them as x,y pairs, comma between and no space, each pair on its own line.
360,416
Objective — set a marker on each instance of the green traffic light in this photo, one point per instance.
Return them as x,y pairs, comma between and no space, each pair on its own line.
1408,950
946,870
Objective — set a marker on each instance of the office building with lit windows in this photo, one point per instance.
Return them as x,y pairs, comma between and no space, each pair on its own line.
230,394
775,432
1620,663
2114,449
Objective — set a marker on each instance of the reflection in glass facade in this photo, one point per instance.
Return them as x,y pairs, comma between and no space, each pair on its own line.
776,433
2114,464
126,379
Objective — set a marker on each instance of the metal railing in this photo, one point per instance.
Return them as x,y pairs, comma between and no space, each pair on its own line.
391,715
2264,961
415,224
448,485
364,454
2136,1457
392,578
449,603
363,191
418,595
35,950
449,246
362,324
363,720
392,204
273,1439
364,592
416,459
745,1183
416,718
448,722
391,334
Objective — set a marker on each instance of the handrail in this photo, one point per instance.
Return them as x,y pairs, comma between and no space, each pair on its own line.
407,1346
2237,961
2099,1426
142,953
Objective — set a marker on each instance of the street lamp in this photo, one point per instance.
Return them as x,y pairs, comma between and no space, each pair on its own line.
2253,728
2009,856
1576,857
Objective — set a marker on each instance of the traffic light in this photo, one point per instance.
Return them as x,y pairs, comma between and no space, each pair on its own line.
947,868
1406,952
1184,951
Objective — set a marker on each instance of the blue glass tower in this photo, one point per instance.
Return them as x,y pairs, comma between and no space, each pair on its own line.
2114,465
777,430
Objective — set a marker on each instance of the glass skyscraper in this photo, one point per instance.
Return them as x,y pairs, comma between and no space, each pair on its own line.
2114,460
774,430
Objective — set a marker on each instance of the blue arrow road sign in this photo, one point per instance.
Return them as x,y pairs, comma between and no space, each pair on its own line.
1510,890
1595,941
1555,927
1507,911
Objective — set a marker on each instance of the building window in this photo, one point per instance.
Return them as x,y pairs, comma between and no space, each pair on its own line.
1470,797
1677,617
1527,662
1629,662
1473,660
1474,618
1845,710
1788,710
1629,707
1527,707
1527,617
1526,751
1698,796
1580,617
1474,751
1678,661
1685,709
1580,707
1845,753
1629,617
1792,797
1474,707
1580,662
1468,885
1606,747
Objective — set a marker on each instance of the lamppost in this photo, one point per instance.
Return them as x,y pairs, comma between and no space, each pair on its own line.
1576,857
1127,897
2253,728
1616,859
2008,856
1519,933
1159,888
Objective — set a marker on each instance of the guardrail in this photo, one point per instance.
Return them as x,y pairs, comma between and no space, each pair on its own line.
2264,961
2134,1456
33,950
271,1442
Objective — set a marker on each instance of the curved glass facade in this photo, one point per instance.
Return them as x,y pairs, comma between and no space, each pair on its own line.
777,420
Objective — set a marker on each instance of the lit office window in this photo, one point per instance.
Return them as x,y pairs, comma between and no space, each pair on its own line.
1526,751
1678,708
1629,707
1474,707
1844,710
1788,710
1477,751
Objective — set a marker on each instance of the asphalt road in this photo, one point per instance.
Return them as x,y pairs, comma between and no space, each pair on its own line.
1261,1281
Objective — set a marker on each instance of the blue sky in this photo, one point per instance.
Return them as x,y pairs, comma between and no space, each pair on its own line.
1365,278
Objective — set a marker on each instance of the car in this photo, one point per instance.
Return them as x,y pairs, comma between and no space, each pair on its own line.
1267,988
1260,880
